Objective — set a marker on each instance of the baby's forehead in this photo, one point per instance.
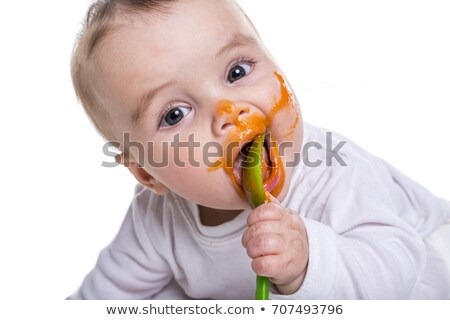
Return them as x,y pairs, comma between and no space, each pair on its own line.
144,50
195,16
182,29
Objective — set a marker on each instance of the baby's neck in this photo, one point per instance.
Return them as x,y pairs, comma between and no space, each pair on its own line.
215,217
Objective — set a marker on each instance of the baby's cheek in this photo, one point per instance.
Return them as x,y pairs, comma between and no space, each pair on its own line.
153,154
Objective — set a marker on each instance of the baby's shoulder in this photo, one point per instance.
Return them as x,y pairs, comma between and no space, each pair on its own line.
150,208
326,153
333,149
330,161
159,211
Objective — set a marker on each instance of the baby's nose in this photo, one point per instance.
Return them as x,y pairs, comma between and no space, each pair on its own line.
228,115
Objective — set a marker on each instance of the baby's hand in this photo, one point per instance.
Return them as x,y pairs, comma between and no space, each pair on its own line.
276,241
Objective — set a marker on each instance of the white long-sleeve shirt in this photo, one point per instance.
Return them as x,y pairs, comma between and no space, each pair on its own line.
367,226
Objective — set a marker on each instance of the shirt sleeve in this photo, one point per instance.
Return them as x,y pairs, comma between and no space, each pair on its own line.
359,247
130,267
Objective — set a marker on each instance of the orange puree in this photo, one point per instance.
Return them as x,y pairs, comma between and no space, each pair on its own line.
286,101
246,128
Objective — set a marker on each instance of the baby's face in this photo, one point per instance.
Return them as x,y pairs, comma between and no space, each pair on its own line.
200,75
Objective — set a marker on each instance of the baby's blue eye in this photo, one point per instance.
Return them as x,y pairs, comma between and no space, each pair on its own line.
238,71
174,116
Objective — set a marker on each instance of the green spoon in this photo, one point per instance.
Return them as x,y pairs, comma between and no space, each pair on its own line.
252,182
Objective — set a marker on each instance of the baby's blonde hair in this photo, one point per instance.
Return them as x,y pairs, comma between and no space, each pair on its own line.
98,23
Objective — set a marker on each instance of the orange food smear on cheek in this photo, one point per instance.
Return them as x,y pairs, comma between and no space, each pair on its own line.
286,101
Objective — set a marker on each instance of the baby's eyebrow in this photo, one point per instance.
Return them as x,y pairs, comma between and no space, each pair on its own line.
236,41
145,101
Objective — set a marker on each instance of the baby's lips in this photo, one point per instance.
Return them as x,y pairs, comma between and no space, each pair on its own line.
272,181
237,168
276,178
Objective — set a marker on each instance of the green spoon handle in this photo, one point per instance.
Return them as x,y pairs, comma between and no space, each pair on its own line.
252,182
262,288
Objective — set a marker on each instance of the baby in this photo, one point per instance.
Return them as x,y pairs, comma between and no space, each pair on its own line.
183,86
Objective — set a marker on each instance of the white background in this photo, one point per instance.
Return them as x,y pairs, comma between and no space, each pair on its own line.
376,71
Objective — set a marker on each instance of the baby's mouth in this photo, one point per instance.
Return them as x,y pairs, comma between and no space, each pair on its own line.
242,155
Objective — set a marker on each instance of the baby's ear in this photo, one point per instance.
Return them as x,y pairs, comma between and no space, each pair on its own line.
142,175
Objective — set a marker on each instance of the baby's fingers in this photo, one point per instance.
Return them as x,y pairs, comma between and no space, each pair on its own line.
264,244
260,228
265,212
268,266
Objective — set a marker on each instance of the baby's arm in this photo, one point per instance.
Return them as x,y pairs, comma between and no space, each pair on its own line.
130,267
